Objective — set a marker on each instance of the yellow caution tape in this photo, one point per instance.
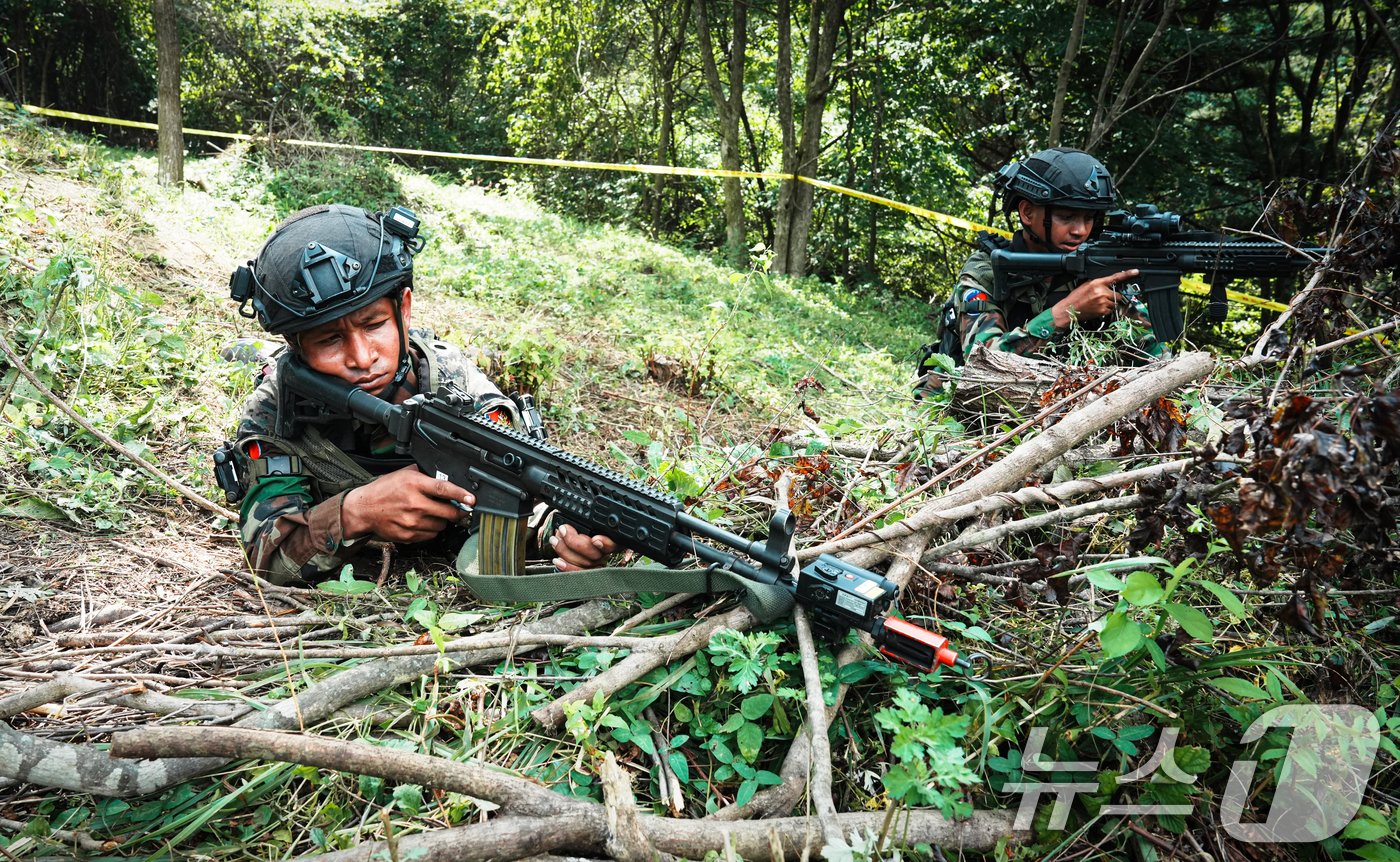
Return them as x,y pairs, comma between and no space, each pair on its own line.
1188,284
909,208
135,124
1200,288
404,151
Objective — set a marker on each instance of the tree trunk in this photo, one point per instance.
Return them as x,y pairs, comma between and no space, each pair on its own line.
795,198
877,95
783,77
670,41
1076,35
168,119
729,107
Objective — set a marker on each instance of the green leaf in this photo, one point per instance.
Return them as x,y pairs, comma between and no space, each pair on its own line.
1239,687
854,672
1142,589
1363,829
746,792
1378,853
756,706
1379,625
1136,731
1120,635
679,765
750,740
977,633
352,587
1159,658
409,797
1191,759
1196,624
457,620
32,507
347,584
1228,599
1103,580
641,438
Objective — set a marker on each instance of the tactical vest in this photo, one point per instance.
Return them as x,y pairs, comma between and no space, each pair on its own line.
330,468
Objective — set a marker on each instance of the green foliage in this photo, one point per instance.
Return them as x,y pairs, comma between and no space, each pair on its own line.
530,358
329,176
115,353
930,765
748,656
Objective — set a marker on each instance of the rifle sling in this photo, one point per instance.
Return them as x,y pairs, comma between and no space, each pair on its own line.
766,602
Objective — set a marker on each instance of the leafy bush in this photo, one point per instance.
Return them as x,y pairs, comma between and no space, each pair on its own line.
315,177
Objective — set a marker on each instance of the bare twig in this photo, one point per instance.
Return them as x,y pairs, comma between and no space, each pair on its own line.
1024,459
817,729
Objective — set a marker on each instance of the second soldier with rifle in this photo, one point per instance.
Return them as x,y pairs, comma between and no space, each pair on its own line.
1057,199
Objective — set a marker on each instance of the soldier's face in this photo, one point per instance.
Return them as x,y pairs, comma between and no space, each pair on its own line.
361,348
1069,228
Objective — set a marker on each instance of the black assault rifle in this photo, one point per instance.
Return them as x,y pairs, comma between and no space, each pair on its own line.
448,437
1153,243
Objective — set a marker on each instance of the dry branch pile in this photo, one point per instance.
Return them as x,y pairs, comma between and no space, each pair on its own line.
132,669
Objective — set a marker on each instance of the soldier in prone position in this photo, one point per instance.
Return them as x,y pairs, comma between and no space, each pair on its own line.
336,282
1059,197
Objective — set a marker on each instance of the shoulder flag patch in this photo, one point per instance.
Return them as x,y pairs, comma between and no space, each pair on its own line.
975,294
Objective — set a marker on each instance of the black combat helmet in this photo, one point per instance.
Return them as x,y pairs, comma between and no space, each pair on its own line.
1061,176
323,263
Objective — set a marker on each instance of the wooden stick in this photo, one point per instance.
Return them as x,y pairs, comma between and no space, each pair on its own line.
1026,458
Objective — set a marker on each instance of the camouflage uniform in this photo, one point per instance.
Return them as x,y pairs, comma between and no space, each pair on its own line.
1023,323
290,515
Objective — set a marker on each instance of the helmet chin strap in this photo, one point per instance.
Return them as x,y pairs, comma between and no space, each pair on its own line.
387,393
1037,238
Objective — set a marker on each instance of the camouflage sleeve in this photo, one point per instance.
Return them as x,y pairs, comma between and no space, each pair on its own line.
286,536
982,321
286,533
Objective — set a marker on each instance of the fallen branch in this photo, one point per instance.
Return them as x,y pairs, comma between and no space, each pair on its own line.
514,794
584,823
1029,456
817,729
135,696
1044,519
86,769
790,838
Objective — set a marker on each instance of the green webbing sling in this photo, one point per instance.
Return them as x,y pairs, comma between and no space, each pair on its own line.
766,602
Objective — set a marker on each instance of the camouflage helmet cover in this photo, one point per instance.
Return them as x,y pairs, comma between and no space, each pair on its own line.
1063,176
324,262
